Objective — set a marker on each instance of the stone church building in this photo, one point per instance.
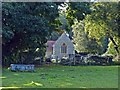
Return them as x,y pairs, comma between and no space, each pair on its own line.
62,47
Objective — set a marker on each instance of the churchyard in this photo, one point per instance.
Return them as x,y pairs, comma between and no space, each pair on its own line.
57,76
60,45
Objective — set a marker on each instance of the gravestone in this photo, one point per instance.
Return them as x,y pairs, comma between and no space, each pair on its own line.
21,67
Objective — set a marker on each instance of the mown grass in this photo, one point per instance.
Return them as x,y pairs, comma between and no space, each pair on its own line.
63,77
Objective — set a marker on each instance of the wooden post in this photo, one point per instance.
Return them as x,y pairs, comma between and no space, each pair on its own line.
0,51
74,59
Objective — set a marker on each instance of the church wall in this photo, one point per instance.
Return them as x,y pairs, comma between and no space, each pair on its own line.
57,47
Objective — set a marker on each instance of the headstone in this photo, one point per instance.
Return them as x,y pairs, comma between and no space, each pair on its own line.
21,67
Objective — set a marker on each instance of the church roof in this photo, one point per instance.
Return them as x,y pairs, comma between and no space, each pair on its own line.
63,37
50,43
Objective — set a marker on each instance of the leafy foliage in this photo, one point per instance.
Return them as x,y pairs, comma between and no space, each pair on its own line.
26,26
98,19
77,10
83,43
79,37
103,22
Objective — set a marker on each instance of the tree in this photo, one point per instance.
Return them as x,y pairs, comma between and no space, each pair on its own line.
83,43
79,37
26,26
103,22
77,10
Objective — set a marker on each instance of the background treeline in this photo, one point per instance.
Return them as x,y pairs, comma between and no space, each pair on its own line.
26,27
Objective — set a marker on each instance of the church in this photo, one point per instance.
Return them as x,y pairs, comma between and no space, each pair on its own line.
62,47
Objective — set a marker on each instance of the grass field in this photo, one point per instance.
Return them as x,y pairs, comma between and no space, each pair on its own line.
63,77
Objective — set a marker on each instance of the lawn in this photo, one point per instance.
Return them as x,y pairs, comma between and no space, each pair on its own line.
63,77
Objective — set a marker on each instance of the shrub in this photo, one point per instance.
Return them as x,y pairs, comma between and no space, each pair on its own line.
55,61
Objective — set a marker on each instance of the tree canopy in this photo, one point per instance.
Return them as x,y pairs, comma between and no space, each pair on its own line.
103,22
77,10
26,26
100,23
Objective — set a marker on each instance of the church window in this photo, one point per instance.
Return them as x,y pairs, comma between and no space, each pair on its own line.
64,48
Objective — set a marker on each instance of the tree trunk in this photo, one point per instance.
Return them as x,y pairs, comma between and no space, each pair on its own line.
115,45
116,48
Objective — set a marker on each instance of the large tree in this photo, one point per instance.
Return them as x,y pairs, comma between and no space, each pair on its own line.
26,26
79,37
77,10
103,22
83,43
75,14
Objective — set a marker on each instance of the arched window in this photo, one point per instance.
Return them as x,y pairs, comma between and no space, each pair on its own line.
64,48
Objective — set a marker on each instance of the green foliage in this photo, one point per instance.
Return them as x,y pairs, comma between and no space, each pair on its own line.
103,22
103,16
100,23
93,47
111,49
84,43
84,34
79,37
55,35
77,10
27,26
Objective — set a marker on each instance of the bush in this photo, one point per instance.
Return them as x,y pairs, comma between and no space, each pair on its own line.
116,61
65,61
55,61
